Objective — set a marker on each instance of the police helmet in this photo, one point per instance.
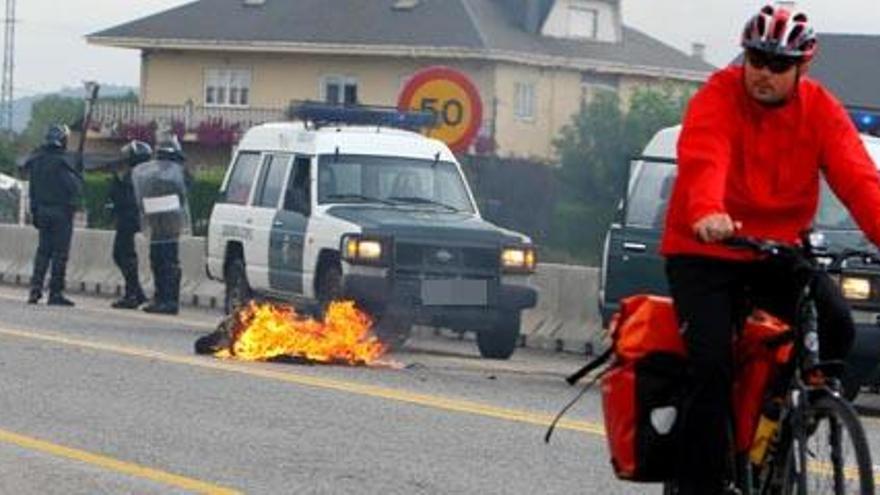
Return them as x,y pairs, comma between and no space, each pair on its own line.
56,136
137,152
169,149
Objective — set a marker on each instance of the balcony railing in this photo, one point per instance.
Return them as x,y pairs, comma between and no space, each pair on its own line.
130,120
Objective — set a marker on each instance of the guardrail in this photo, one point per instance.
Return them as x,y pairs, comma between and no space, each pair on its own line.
115,117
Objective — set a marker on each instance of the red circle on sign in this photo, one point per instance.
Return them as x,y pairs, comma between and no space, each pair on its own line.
440,72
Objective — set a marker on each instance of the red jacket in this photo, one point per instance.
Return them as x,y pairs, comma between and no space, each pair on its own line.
761,165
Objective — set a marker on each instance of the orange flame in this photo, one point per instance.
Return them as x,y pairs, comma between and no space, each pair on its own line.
266,331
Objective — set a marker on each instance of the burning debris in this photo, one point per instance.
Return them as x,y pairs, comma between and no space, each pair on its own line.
264,332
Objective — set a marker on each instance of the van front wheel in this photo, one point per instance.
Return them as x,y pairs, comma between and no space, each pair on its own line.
500,341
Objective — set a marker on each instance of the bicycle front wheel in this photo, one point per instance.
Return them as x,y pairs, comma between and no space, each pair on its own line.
835,458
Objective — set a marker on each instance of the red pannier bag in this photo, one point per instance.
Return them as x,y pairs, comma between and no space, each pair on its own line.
760,352
643,389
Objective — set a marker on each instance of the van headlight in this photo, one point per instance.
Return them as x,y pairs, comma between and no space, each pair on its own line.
520,259
855,288
364,250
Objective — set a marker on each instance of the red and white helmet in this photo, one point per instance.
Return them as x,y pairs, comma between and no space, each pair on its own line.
779,31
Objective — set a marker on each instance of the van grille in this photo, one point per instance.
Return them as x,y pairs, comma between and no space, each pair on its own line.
444,261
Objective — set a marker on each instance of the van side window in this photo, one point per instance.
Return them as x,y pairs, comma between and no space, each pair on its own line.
238,189
271,181
298,198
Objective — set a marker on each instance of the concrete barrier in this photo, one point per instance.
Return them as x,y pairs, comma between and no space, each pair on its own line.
566,318
91,268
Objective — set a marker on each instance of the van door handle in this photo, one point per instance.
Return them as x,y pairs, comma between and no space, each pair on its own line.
637,247
278,223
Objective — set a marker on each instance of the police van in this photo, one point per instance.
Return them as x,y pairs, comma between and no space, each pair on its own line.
632,264
321,210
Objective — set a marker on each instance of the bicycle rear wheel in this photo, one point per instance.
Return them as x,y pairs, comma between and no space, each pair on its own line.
836,454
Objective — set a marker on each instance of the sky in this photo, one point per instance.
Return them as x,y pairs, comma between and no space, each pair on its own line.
51,52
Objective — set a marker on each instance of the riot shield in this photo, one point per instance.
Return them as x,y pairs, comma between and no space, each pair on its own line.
160,189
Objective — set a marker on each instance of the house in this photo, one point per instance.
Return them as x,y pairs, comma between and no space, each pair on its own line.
212,68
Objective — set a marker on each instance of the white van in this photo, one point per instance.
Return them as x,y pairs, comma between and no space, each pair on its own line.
378,215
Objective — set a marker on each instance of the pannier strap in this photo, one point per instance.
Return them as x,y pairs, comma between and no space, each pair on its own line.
592,365
573,379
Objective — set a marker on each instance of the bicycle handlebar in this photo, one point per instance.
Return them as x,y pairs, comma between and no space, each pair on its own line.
833,261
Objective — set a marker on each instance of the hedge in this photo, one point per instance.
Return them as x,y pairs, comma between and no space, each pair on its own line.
202,197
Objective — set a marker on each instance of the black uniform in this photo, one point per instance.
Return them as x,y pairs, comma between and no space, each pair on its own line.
55,193
128,223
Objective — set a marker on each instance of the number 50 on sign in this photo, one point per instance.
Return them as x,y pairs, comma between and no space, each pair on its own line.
452,98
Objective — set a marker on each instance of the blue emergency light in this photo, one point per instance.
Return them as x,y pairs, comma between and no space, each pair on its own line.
866,121
320,114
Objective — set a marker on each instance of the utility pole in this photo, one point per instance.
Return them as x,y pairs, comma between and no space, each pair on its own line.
8,68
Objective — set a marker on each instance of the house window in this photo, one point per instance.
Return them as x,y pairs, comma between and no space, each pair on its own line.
524,101
583,22
228,87
339,90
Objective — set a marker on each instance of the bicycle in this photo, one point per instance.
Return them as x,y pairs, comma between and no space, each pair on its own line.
814,418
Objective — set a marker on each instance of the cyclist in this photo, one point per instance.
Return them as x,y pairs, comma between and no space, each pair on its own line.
754,141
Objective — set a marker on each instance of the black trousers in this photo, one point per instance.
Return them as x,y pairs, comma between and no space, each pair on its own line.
165,265
711,297
55,225
125,257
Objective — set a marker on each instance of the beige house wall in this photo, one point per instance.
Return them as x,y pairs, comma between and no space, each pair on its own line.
173,78
557,97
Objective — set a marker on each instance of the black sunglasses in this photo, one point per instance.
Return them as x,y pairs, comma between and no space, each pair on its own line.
775,63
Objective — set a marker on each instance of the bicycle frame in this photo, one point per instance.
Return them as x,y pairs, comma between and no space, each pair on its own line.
807,382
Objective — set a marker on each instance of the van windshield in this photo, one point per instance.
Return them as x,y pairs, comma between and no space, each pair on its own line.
391,180
649,192
832,214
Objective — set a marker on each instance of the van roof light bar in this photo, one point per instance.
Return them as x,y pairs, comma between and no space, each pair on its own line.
320,114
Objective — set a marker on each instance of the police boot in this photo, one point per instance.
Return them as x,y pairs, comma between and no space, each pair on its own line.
129,302
58,299
34,296
162,308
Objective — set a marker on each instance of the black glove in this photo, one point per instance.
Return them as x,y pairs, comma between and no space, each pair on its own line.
35,218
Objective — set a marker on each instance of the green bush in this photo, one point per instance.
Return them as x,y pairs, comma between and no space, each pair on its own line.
202,197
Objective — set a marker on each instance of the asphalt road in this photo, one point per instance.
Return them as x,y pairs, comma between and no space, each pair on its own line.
95,400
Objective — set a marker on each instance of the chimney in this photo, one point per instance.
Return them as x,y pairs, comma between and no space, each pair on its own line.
698,51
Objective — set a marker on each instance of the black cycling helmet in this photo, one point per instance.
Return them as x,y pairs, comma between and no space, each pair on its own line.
56,136
169,149
137,152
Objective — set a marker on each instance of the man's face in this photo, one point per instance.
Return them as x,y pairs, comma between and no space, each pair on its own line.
770,79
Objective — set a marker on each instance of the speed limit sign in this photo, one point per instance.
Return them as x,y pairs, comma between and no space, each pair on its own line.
452,98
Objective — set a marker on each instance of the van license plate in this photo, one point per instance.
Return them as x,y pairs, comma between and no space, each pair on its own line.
454,293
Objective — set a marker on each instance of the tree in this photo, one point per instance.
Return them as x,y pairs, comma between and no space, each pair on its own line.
595,149
51,110
7,156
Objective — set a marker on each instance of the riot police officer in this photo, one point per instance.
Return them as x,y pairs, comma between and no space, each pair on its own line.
161,190
55,191
127,217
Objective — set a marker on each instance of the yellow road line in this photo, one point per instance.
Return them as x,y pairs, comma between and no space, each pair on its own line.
432,401
111,464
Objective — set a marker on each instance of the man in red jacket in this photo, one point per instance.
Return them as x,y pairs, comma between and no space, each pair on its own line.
754,141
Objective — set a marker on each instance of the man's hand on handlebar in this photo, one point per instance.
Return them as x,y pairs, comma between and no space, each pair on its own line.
716,227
